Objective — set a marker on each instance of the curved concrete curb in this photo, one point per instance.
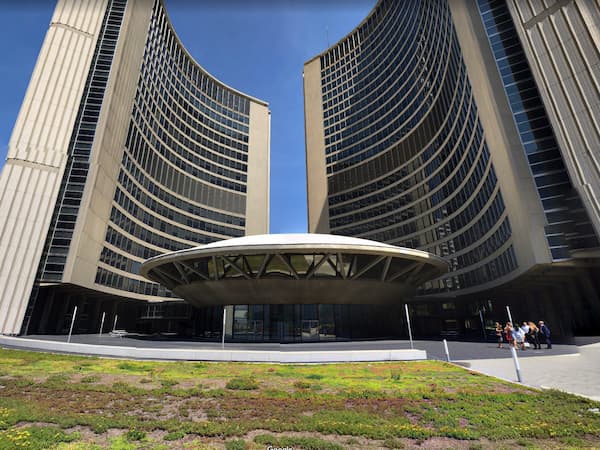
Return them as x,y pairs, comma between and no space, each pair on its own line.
271,356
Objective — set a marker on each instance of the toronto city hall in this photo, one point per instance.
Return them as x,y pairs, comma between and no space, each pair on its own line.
468,129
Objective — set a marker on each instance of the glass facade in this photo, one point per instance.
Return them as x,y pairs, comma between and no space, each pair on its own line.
568,225
310,323
184,170
406,158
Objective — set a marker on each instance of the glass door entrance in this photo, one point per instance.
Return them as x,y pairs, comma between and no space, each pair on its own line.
310,330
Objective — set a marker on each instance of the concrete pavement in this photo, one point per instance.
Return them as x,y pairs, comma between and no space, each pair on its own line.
577,373
570,368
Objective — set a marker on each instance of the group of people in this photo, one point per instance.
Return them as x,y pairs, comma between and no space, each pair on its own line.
526,335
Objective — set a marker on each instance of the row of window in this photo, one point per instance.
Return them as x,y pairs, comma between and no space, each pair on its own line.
156,223
172,119
479,192
444,188
119,261
419,147
431,183
131,169
107,278
401,49
411,137
498,267
127,245
394,104
182,116
487,248
196,221
374,140
398,70
145,234
354,99
162,35
456,240
399,164
366,67
485,192
142,134
170,92
365,37
160,71
457,156
182,179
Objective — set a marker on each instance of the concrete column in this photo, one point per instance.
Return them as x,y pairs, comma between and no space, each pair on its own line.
48,306
63,311
590,293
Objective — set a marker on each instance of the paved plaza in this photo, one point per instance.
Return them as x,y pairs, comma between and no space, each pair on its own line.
578,373
572,368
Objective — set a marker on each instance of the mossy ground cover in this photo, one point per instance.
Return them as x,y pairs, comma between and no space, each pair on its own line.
71,402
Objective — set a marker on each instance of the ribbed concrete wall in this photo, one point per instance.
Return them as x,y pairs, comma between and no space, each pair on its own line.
562,40
517,185
183,161
257,197
107,153
405,157
45,121
37,150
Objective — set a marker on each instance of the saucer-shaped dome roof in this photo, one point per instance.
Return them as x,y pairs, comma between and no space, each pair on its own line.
294,268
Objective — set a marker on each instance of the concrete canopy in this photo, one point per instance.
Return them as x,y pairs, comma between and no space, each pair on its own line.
294,269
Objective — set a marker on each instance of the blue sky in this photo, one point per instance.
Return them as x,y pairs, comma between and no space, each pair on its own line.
256,47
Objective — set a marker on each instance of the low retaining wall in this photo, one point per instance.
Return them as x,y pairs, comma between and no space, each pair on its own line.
200,354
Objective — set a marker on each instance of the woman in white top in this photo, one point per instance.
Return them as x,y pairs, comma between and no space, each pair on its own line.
519,338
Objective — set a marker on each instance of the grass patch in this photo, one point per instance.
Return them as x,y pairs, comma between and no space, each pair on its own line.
168,383
204,404
90,379
135,435
393,443
34,437
174,436
134,367
314,376
242,384
308,443
236,444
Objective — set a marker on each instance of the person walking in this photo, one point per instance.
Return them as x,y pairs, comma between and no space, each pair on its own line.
545,332
508,332
499,332
519,338
534,336
525,330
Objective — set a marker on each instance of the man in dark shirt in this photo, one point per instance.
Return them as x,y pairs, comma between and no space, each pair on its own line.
545,331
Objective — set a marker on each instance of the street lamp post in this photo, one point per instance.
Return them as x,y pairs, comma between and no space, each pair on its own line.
408,324
72,323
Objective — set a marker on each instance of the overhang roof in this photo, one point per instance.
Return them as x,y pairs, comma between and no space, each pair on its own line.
294,268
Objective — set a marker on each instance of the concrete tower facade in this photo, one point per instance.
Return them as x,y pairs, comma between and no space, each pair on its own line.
561,40
124,148
426,128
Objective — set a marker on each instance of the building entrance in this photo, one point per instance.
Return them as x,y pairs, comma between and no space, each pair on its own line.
310,330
